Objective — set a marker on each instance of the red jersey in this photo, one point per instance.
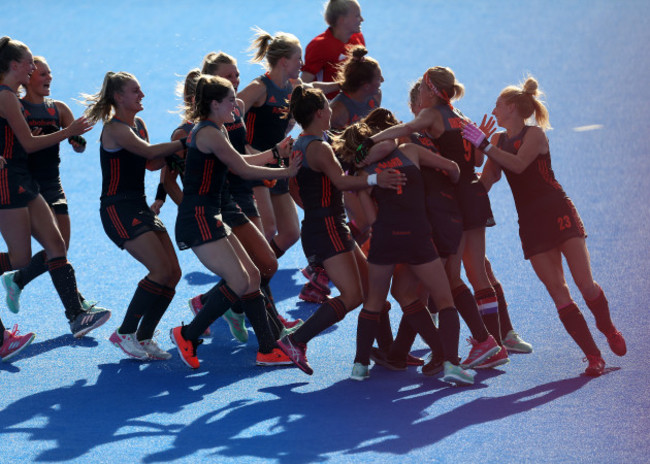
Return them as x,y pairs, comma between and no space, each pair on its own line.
325,52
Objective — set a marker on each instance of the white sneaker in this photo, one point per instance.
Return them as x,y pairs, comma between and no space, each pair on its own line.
359,372
129,344
514,343
153,350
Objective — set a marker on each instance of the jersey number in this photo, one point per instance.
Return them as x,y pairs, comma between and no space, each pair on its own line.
564,222
469,150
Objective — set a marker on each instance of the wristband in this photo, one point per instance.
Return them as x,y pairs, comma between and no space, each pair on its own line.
276,153
372,179
484,143
183,142
161,193
487,148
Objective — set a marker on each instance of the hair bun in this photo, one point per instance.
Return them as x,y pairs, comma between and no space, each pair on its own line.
530,86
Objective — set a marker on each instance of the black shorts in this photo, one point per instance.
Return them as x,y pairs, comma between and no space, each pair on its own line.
127,219
474,205
390,245
242,194
281,187
52,191
446,220
324,237
197,224
547,223
17,188
231,212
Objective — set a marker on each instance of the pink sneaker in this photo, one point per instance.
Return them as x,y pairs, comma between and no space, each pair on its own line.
498,359
617,343
596,365
196,306
312,294
318,278
297,352
480,351
290,324
14,343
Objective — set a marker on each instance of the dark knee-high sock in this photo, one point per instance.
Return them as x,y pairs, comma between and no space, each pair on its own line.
384,332
154,314
419,318
272,317
5,263
504,315
449,331
366,333
431,306
327,314
599,307
575,324
2,332
220,300
65,283
204,297
276,249
35,268
403,340
488,308
253,305
144,298
468,310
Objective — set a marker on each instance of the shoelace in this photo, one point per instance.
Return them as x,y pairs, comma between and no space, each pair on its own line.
14,332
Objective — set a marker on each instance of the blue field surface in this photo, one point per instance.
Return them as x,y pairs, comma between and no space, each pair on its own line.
68,400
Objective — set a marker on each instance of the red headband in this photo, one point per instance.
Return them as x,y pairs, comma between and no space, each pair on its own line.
440,94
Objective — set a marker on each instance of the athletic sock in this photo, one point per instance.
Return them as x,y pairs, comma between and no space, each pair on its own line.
488,308
144,298
253,305
154,314
204,297
276,249
5,263
504,315
385,331
449,331
575,324
327,314
599,307
272,316
366,333
35,268
220,300
2,333
419,318
65,283
403,340
468,310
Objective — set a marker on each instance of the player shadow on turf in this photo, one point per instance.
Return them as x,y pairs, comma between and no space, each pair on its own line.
73,420
39,347
283,428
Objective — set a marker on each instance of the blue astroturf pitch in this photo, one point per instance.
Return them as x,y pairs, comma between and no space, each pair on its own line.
67,400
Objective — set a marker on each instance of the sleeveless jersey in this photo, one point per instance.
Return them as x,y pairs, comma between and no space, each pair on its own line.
10,148
319,196
205,174
403,208
123,171
43,164
536,181
356,110
451,144
434,178
186,127
266,125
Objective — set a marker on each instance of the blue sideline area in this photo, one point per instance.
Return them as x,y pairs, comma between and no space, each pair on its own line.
67,400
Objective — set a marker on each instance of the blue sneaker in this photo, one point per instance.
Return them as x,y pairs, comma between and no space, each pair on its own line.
13,291
456,375
359,372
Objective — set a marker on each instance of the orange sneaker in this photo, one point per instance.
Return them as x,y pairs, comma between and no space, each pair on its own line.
186,348
274,358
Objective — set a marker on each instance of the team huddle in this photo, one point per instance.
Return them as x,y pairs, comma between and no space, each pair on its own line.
388,206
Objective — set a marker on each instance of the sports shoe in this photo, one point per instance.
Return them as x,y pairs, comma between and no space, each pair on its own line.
290,324
88,320
318,278
433,367
312,294
14,343
456,375
297,352
480,351
514,344
129,344
616,343
91,306
379,357
495,360
154,351
237,325
196,306
186,348
13,291
359,372
274,358
596,365
414,360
